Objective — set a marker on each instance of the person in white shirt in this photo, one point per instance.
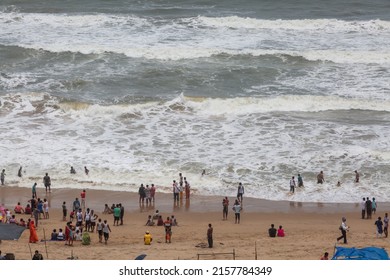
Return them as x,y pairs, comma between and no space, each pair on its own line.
292,184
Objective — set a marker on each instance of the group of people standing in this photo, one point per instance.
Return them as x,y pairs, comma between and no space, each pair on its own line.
181,188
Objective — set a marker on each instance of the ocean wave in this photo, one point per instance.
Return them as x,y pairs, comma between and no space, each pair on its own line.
194,105
301,24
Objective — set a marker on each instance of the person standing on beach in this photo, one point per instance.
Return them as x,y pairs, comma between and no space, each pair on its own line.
344,228
320,177
34,190
168,230
386,225
240,192
368,208
152,192
76,205
374,205
176,191
363,206
64,211
83,195
2,176
141,192
106,231
225,208
47,181
117,214
300,181
237,211
99,230
187,187
181,186
210,236
122,213
292,185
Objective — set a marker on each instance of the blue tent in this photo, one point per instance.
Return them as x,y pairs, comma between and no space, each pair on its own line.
367,253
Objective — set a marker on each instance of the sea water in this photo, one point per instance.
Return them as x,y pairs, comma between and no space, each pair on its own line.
250,91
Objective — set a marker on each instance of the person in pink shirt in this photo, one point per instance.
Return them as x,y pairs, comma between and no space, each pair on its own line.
280,232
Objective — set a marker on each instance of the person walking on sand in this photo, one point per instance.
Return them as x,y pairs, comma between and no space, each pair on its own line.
2,176
176,191
343,228
210,236
292,185
47,181
106,231
237,210
379,227
357,176
225,208
320,177
240,192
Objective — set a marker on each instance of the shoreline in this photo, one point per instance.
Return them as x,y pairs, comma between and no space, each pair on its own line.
198,203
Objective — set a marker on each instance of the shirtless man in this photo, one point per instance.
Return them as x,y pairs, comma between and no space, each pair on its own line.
357,177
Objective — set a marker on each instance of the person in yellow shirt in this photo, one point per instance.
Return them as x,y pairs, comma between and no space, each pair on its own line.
148,238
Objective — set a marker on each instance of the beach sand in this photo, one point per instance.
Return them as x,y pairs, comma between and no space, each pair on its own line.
311,228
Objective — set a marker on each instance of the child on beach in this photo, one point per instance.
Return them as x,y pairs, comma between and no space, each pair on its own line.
149,222
280,232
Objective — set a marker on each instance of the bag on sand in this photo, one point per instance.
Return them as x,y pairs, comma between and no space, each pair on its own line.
86,239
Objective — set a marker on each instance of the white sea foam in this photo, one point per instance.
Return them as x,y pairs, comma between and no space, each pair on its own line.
190,38
239,139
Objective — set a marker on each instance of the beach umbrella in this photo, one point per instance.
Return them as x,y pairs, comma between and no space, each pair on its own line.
10,231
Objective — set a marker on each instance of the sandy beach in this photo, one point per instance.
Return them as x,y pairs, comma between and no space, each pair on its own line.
311,228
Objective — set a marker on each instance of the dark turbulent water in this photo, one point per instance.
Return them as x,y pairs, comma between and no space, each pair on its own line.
251,91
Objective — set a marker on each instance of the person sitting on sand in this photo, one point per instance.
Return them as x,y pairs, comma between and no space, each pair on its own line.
160,221
27,209
107,210
149,222
325,256
272,231
280,232
18,209
54,235
60,236
148,238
